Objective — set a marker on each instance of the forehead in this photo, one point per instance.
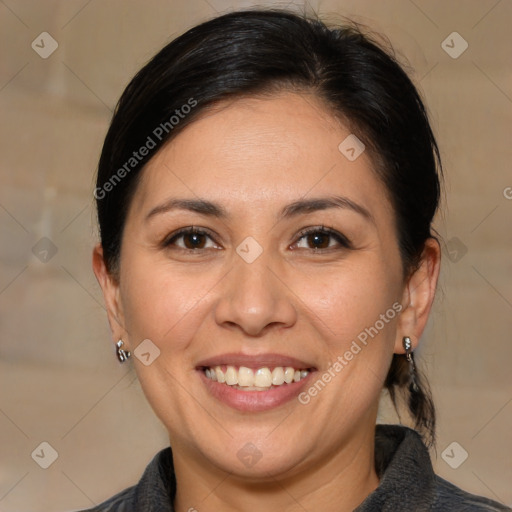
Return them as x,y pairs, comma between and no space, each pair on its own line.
261,152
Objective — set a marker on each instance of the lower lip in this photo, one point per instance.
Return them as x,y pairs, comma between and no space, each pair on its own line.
254,401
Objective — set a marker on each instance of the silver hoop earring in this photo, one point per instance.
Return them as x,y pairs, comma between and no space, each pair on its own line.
407,344
122,354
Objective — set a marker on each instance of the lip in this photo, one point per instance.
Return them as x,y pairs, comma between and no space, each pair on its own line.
254,361
254,401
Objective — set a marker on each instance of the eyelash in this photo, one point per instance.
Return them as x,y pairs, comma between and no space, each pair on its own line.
183,232
342,240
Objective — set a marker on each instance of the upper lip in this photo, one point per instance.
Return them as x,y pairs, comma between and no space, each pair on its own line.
254,361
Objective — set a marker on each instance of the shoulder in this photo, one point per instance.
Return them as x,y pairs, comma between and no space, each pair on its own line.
451,497
408,481
154,491
121,502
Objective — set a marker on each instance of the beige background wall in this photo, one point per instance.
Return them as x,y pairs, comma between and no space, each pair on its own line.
59,380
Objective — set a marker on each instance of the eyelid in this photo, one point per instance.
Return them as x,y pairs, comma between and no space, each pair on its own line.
187,231
339,237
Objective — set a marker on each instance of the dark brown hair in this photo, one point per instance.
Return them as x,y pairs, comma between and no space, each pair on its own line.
259,51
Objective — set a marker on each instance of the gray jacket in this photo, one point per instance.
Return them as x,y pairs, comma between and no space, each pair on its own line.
407,482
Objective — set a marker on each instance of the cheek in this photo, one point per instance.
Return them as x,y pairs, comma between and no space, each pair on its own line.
354,313
351,301
167,308
161,304
358,308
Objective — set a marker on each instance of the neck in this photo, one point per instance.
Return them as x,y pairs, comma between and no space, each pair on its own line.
339,482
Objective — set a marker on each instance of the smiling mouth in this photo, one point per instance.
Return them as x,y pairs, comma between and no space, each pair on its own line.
260,379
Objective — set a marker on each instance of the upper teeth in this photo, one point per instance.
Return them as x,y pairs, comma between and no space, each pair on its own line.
261,378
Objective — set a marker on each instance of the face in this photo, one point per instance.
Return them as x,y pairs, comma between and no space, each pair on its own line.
253,246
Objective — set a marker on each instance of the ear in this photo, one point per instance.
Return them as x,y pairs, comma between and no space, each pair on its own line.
110,287
418,296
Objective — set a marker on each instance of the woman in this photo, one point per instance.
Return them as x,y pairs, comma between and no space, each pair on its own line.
265,196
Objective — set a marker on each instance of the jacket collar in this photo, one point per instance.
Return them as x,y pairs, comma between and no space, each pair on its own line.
407,479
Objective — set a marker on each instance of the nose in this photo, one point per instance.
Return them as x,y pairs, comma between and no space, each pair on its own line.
255,298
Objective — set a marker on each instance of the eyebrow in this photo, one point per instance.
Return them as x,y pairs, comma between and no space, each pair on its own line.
299,207
323,203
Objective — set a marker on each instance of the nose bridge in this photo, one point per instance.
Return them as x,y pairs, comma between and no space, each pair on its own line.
253,297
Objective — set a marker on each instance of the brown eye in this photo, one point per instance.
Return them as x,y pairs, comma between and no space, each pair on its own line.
190,239
318,240
194,240
322,238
